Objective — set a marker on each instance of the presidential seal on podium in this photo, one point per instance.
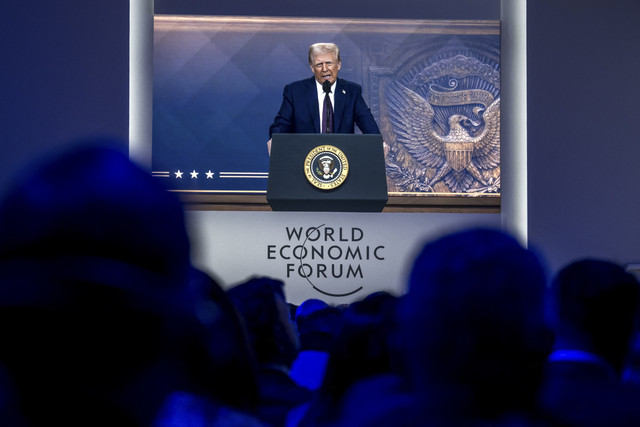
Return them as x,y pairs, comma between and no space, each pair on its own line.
326,167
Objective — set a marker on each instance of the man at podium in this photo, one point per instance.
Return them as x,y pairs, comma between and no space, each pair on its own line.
323,103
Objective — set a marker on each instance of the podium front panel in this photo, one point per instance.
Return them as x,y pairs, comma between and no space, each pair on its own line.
363,190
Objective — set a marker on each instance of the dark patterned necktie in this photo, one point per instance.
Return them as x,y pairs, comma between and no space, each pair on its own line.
327,110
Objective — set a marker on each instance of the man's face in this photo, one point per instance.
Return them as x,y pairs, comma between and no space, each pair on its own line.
325,67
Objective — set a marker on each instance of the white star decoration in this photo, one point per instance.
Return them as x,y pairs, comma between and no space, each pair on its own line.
194,174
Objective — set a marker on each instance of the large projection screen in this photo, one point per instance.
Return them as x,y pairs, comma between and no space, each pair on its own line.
218,84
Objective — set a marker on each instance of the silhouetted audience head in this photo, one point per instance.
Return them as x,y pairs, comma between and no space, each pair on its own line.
98,320
594,304
308,307
232,365
262,304
92,202
595,308
273,337
473,325
317,324
361,349
364,343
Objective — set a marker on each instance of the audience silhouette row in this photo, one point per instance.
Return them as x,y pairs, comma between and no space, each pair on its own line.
104,321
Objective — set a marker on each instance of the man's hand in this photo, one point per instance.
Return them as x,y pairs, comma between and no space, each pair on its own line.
269,146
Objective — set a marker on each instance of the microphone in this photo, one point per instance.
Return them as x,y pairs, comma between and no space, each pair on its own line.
326,86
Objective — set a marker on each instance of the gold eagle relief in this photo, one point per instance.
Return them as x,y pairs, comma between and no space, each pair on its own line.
443,128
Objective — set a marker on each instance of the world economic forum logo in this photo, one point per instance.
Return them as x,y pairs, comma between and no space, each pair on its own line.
326,167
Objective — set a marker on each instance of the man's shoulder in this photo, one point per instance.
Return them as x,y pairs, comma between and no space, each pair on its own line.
342,83
349,88
304,83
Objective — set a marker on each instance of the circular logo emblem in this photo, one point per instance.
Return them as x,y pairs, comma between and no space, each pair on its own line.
326,167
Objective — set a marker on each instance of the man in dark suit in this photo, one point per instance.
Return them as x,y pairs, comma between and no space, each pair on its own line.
302,104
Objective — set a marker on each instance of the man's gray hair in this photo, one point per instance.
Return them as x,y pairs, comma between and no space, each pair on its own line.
318,48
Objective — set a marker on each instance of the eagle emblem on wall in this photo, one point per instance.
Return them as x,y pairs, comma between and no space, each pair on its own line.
445,125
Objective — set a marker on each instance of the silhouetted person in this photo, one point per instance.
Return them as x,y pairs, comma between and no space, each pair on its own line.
594,308
307,308
262,304
631,372
362,350
317,323
231,395
98,321
473,330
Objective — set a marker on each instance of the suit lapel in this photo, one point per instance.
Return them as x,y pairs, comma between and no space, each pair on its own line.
312,99
339,99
